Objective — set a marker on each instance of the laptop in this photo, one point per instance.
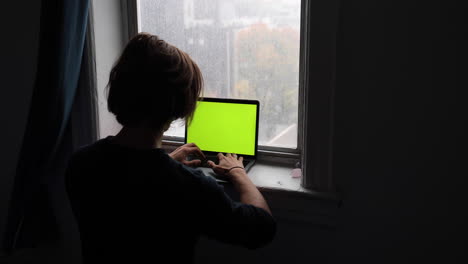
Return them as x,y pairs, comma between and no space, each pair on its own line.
225,126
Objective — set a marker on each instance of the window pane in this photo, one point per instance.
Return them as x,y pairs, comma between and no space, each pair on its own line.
246,49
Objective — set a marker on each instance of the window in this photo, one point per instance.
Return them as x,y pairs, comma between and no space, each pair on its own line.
300,34
246,49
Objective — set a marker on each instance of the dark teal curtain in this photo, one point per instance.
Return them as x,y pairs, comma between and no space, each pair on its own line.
47,145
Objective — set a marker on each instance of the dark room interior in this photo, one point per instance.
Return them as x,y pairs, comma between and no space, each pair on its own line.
397,159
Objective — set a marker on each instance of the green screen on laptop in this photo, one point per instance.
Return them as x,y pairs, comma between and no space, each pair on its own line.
224,127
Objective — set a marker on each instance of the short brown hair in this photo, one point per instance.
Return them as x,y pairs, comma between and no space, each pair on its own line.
153,83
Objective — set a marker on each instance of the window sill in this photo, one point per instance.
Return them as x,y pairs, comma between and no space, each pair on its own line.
272,175
287,198
274,179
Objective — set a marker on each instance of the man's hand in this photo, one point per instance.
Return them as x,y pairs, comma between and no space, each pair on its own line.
231,166
226,162
181,153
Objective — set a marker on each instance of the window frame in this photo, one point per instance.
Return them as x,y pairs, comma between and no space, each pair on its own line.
319,21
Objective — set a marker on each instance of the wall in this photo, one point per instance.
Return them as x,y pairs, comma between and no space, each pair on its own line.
398,132
20,38
109,43
306,232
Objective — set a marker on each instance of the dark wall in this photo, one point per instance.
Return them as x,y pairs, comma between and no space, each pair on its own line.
401,70
306,232
19,27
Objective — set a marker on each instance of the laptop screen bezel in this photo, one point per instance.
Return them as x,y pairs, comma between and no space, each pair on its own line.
236,101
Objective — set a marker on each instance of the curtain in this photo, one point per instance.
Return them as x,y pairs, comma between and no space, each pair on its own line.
47,145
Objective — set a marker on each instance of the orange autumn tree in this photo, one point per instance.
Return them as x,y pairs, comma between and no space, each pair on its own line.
267,62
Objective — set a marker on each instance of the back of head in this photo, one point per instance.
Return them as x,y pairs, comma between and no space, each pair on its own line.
153,83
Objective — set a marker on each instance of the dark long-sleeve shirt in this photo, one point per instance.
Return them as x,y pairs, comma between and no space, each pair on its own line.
141,205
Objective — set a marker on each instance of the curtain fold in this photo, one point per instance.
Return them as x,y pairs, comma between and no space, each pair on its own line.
32,216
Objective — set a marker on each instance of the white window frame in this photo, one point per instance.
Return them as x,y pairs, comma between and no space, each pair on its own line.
319,22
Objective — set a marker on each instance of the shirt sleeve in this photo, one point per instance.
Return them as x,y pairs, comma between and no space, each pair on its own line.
233,222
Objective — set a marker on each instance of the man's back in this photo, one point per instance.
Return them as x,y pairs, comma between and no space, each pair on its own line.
134,204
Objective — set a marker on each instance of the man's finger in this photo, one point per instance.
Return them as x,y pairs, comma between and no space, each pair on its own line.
194,150
220,156
210,163
190,145
219,170
241,158
193,163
